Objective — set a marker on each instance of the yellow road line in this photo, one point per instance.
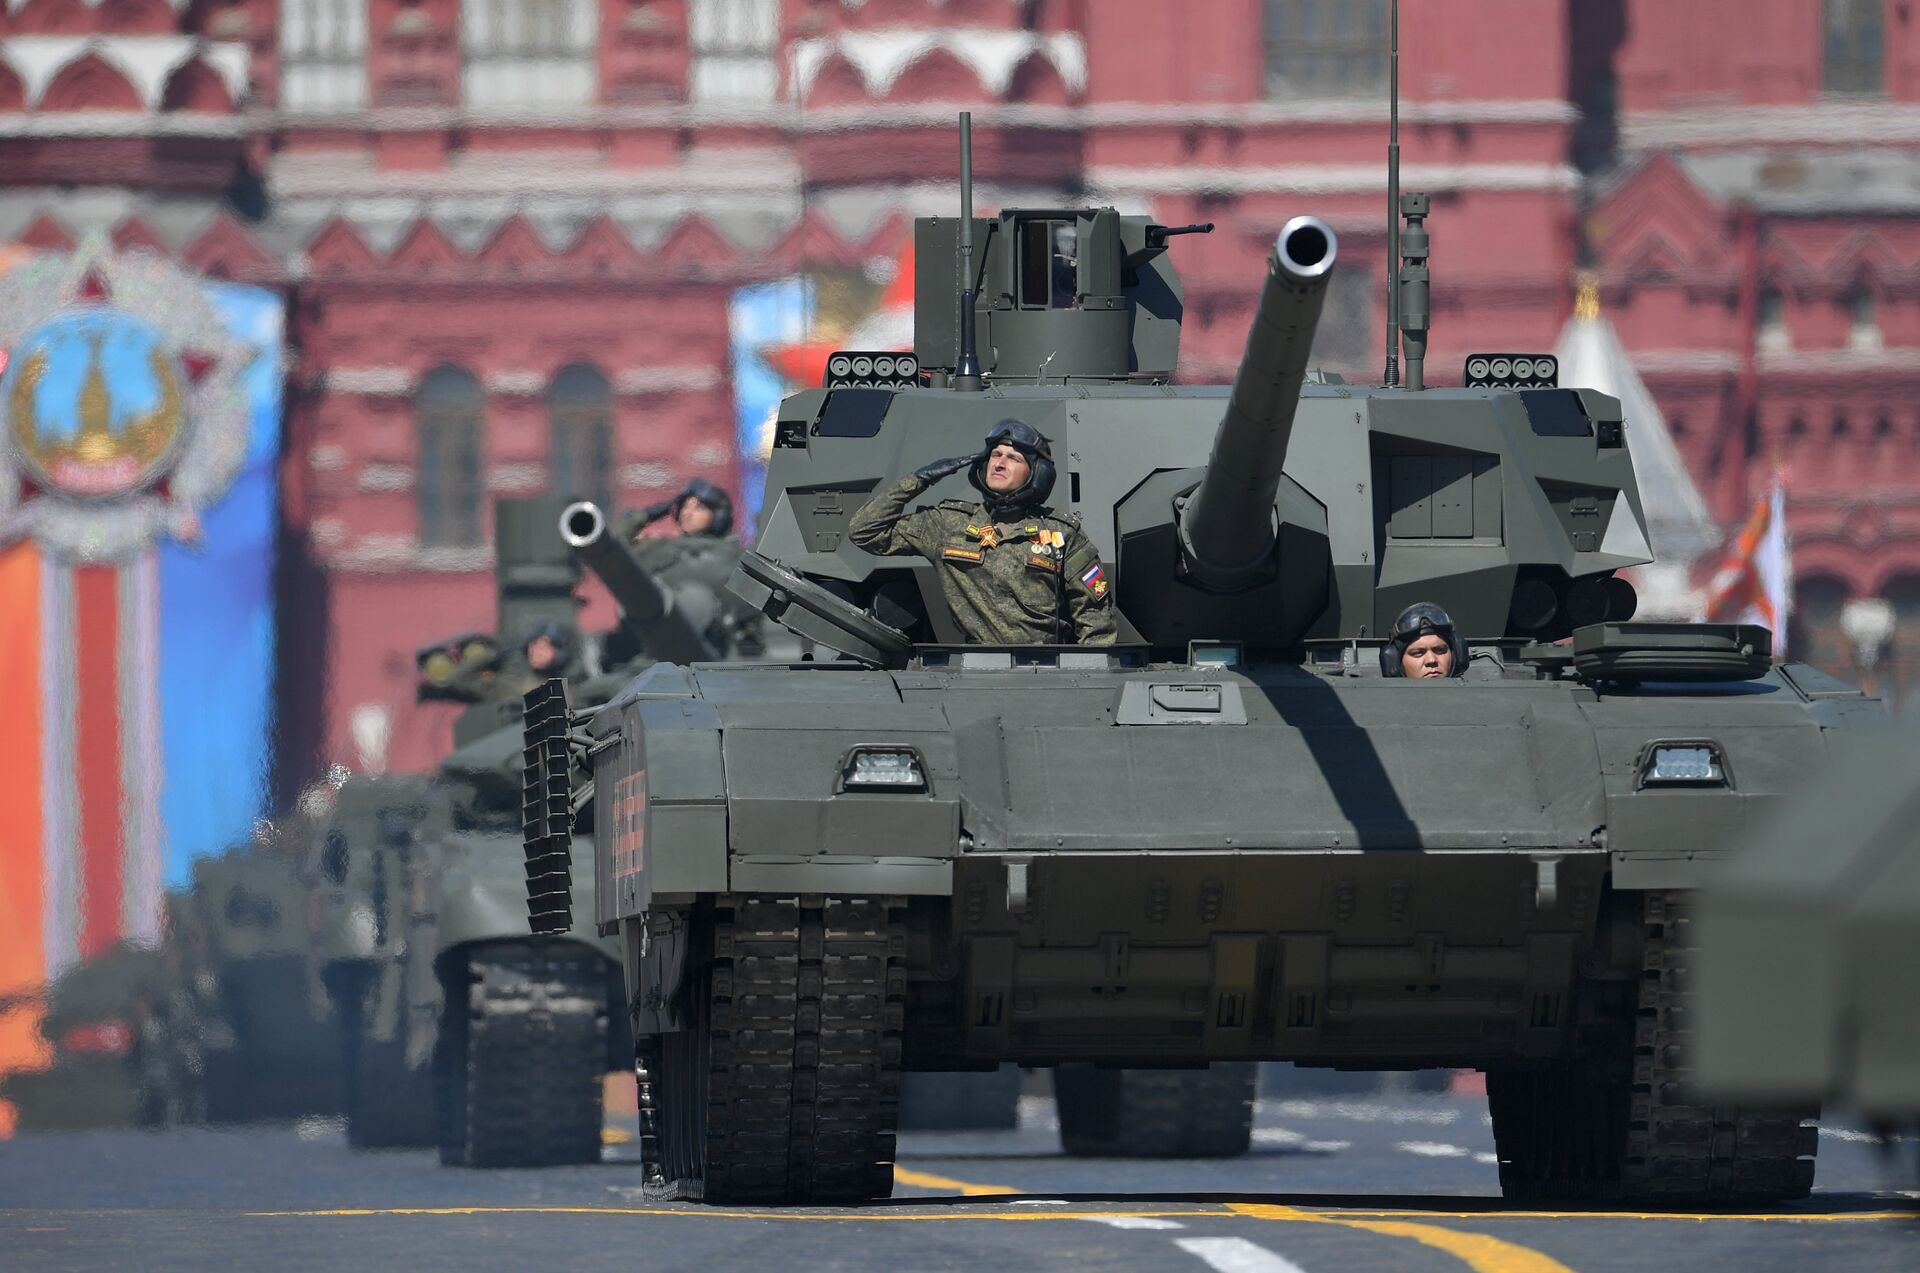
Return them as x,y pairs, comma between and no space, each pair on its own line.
696,1211
927,1180
1261,1211
1477,1251
615,1136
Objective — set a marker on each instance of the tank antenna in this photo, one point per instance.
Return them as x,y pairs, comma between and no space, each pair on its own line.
1393,198
966,363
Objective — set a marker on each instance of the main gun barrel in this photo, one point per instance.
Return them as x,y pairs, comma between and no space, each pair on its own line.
1226,529
663,629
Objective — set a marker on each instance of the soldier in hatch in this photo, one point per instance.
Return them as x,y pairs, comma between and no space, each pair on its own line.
1423,645
701,508
694,563
1013,571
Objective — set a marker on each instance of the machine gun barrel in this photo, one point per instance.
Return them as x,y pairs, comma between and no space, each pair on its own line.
665,631
1226,529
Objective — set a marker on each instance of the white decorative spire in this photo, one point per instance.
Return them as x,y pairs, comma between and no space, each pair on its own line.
1678,522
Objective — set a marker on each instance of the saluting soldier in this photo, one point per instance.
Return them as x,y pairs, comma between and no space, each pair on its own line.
1014,572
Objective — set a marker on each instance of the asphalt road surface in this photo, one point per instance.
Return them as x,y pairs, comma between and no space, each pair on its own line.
1393,1183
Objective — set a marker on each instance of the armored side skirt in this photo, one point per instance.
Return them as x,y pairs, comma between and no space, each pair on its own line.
1361,959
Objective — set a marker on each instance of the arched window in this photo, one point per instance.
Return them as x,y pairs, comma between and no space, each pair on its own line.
1855,54
450,409
580,435
323,55
1320,48
528,52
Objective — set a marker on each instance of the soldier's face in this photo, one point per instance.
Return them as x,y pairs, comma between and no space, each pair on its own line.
541,653
693,517
1007,469
1428,656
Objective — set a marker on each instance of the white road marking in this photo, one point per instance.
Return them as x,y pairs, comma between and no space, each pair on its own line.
1039,1202
1848,1133
1361,1112
319,1128
1134,1222
1236,1255
1432,1149
1489,1159
1291,1139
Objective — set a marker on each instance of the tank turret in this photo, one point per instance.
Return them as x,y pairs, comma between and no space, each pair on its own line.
1226,527
669,633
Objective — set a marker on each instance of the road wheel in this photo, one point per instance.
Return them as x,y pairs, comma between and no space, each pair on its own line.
1625,1126
522,1055
1156,1113
783,1085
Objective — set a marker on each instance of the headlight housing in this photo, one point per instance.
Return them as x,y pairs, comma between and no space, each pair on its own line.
883,769
1683,764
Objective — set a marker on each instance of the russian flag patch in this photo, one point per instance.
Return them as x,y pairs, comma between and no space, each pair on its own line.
1094,577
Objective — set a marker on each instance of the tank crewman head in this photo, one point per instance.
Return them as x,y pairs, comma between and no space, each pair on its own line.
1014,470
701,508
1423,645
548,648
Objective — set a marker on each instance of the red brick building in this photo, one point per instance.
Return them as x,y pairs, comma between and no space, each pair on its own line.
508,230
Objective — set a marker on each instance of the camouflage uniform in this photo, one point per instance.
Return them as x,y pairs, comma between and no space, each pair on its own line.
1037,581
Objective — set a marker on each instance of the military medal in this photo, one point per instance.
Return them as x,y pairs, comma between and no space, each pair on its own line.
989,537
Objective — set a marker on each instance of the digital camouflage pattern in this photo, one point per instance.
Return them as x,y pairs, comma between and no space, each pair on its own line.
1038,582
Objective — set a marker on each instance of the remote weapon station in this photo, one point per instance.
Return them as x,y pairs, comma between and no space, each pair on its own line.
1234,835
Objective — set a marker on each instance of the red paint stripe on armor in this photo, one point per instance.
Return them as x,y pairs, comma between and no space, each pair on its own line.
96,596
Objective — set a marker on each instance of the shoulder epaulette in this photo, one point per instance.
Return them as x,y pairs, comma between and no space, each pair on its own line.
956,505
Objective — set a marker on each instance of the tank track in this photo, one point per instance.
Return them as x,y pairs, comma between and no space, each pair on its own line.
520,1069
1156,1113
1634,1130
784,1087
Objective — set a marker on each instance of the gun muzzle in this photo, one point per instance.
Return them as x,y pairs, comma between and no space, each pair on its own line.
1226,529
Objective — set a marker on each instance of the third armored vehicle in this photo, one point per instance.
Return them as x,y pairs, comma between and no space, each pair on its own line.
1231,836
1807,959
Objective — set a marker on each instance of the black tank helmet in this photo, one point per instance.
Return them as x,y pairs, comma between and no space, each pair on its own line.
1416,621
714,498
1031,443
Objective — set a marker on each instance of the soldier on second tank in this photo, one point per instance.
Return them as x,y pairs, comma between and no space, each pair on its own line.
1013,571
695,563
1422,645
701,508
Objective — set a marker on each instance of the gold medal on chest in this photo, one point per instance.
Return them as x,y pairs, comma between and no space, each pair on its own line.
989,537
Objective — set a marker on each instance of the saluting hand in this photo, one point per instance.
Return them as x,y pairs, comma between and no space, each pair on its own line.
931,473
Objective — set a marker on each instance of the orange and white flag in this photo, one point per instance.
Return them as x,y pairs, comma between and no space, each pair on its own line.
1754,581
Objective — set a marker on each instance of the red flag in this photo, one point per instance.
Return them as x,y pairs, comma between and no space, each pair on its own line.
1753,583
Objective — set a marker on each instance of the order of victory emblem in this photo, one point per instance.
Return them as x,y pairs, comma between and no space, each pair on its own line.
122,414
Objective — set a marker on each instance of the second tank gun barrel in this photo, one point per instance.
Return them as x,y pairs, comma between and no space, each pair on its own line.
1226,529
667,633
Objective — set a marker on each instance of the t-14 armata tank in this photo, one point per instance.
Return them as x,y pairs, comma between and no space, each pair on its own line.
1234,835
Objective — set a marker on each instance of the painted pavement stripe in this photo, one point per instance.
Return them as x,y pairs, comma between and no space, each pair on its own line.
1237,1255
927,1180
1432,1149
1136,1222
1259,1211
1477,1251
